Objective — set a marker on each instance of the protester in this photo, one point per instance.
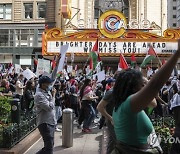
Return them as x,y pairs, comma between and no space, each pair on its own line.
58,103
105,107
175,107
28,95
5,89
45,109
87,96
74,97
132,126
20,85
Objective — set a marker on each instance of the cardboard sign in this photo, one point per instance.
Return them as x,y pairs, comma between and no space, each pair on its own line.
17,68
28,74
43,66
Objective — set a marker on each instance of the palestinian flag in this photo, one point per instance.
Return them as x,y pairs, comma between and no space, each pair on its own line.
53,63
35,64
94,56
122,63
151,54
133,60
163,61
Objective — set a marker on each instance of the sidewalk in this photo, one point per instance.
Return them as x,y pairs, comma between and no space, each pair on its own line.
83,143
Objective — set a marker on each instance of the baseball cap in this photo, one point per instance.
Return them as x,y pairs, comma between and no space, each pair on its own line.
110,80
45,79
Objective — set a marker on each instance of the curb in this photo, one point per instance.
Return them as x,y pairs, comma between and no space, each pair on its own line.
23,145
104,141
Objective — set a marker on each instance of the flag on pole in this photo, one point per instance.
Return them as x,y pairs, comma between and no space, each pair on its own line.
163,61
53,63
151,54
94,56
133,60
76,67
122,63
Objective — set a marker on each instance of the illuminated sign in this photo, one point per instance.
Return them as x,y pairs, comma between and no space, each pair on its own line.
112,24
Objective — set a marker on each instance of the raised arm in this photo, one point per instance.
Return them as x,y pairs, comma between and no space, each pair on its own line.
141,99
102,109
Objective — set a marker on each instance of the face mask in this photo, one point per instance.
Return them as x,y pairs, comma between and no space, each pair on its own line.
49,88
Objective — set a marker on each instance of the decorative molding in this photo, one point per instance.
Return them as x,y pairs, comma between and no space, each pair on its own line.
172,34
56,33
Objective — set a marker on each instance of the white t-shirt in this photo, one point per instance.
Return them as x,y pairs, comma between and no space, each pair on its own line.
19,87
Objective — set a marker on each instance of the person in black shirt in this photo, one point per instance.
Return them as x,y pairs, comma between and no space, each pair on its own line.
58,102
28,96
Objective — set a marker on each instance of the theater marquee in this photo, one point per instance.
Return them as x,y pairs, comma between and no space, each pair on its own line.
129,40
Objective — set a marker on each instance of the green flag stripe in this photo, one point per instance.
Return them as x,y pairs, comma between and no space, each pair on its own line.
146,60
94,59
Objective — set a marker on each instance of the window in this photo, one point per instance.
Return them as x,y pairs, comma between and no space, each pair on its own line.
41,10
40,31
4,37
174,16
5,11
28,10
174,7
174,24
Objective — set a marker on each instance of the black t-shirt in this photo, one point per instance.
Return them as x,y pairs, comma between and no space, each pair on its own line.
58,99
110,100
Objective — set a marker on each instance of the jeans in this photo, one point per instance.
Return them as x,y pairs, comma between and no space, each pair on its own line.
89,114
58,112
47,133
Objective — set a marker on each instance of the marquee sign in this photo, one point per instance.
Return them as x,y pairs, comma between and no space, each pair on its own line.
112,24
107,46
132,41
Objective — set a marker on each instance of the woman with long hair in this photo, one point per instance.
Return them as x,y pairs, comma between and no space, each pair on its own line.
87,96
132,126
28,95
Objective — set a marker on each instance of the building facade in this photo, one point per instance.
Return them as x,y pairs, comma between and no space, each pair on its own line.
178,14
23,21
172,13
140,14
22,24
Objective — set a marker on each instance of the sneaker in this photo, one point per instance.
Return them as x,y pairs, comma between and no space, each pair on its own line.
58,130
85,130
90,130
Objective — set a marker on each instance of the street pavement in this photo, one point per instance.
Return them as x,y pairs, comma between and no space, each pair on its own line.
83,143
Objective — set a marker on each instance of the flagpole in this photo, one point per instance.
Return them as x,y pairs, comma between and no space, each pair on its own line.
86,62
159,61
151,64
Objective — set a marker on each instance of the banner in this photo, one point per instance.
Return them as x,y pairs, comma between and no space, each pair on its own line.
17,68
63,51
100,76
69,68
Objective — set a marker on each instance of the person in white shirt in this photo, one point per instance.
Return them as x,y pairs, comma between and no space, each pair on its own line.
19,85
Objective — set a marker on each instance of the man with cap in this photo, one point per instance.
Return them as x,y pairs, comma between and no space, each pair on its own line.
45,108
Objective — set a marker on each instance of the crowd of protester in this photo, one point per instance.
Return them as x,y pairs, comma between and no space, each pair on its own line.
121,99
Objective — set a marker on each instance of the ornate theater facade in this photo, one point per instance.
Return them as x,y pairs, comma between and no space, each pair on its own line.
119,27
